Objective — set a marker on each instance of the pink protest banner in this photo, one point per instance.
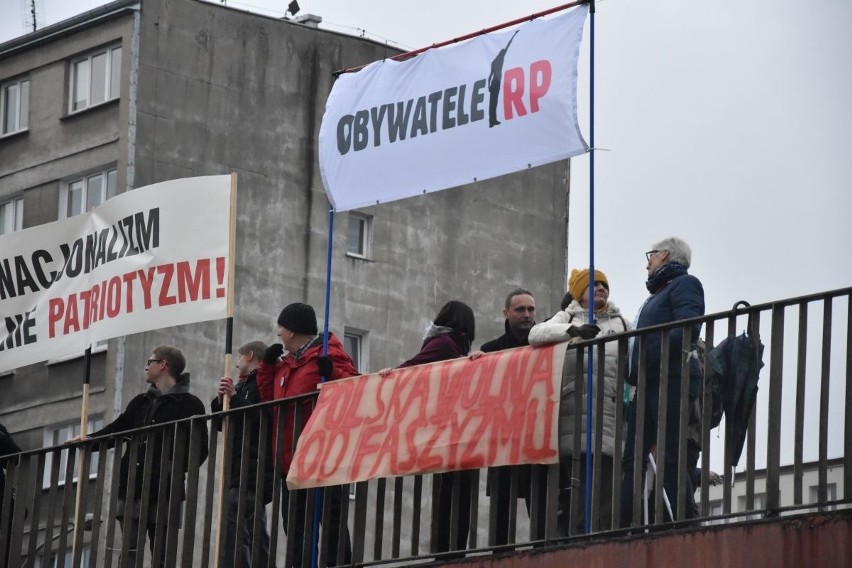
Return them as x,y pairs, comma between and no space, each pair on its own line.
500,409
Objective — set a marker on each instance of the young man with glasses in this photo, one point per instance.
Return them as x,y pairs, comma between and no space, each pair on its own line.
167,399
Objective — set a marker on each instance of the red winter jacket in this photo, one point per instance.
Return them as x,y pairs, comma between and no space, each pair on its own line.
292,377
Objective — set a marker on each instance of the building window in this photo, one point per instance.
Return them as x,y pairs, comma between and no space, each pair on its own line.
759,505
85,193
15,103
355,343
830,494
360,235
85,556
95,79
12,216
56,436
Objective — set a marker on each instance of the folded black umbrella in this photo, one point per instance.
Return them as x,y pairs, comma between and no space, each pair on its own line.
737,362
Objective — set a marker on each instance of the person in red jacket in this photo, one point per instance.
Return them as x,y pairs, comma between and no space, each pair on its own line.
295,373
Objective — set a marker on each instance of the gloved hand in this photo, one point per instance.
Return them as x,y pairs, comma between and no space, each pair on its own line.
273,353
585,331
325,366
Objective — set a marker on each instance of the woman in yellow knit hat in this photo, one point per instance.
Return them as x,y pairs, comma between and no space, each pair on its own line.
571,324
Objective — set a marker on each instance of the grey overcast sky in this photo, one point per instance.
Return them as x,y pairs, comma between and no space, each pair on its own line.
726,123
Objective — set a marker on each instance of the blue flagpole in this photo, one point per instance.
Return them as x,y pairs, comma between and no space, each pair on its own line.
318,492
590,359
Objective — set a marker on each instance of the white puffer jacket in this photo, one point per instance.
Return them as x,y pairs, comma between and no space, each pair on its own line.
555,330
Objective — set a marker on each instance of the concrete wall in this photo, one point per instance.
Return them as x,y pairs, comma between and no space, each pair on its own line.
33,164
220,91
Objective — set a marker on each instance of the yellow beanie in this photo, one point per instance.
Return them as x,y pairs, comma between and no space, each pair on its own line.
578,282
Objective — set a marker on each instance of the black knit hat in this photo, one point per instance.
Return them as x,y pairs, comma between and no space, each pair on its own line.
299,318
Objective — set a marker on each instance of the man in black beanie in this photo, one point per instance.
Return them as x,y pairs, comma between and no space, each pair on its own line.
299,372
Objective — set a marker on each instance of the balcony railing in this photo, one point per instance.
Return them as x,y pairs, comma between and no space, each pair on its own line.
801,415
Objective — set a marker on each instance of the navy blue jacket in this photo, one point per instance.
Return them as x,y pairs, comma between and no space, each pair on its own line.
681,298
247,395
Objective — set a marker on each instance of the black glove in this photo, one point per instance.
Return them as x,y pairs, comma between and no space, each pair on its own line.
585,331
325,366
273,353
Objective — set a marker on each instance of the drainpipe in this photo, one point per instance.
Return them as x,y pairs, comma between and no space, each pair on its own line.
133,76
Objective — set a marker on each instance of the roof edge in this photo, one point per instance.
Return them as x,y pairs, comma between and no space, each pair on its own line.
59,29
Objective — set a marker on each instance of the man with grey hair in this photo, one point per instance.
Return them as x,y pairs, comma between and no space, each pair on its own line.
675,295
244,393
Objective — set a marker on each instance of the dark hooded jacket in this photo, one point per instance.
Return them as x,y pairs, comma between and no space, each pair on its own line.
247,395
148,409
7,446
505,341
441,344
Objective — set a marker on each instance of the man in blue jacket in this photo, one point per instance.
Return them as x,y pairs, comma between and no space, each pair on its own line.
675,295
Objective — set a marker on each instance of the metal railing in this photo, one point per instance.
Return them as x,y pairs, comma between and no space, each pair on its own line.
801,413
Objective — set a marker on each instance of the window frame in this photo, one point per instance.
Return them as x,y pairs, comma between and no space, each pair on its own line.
56,434
16,205
365,248
831,495
22,112
362,360
65,190
109,82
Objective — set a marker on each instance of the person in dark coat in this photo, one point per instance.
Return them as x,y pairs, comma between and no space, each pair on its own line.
448,337
675,295
167,399
245,393
519,311
7,447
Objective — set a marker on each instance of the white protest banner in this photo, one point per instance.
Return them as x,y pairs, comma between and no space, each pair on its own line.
500,409
496,104
149,258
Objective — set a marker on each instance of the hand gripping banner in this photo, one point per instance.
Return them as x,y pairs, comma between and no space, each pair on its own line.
500,409
496,104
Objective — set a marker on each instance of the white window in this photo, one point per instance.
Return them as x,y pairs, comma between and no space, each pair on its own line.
12,216
360,237
85,555
95,79
56,436
15,104
759,505
85,193
715,509
830,493
355,343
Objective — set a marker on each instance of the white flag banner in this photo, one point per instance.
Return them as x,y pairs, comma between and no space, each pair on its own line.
149,258
496,104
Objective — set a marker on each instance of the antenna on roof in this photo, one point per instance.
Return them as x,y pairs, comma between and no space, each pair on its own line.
32,13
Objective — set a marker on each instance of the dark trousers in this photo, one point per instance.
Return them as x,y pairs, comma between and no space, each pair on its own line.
442,495
131,525
243,544
574,485
502,477
297,537
669,468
